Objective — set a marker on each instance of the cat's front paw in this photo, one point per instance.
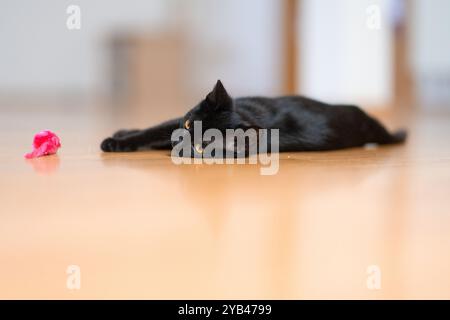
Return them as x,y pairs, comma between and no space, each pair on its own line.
116,145
109,145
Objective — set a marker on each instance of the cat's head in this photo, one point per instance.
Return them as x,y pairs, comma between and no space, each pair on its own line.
216,111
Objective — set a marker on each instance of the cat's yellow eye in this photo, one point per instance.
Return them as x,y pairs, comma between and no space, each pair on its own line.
187,124
198,148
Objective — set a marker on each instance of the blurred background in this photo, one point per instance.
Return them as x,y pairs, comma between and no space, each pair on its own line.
142,227
161,56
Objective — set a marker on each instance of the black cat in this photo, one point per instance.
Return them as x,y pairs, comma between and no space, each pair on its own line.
304,124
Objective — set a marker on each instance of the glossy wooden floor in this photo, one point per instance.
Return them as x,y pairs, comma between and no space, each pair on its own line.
139,226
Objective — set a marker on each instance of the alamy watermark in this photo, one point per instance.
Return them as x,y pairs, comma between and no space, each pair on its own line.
73,21
373,281
373,21
73,281
237,146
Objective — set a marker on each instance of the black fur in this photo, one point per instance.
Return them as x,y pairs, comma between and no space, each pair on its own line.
304,124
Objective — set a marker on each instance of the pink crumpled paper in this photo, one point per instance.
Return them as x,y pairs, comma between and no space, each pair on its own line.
44,143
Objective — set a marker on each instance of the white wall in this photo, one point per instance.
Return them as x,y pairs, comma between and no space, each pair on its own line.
39,54
342,60
237,41
430,45
430,51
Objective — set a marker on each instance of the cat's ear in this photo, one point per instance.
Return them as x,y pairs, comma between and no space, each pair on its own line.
218,98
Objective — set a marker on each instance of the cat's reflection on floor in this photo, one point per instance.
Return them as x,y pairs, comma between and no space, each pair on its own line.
236,200
214,189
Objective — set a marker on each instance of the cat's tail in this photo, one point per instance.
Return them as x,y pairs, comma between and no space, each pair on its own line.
399,136
377,133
